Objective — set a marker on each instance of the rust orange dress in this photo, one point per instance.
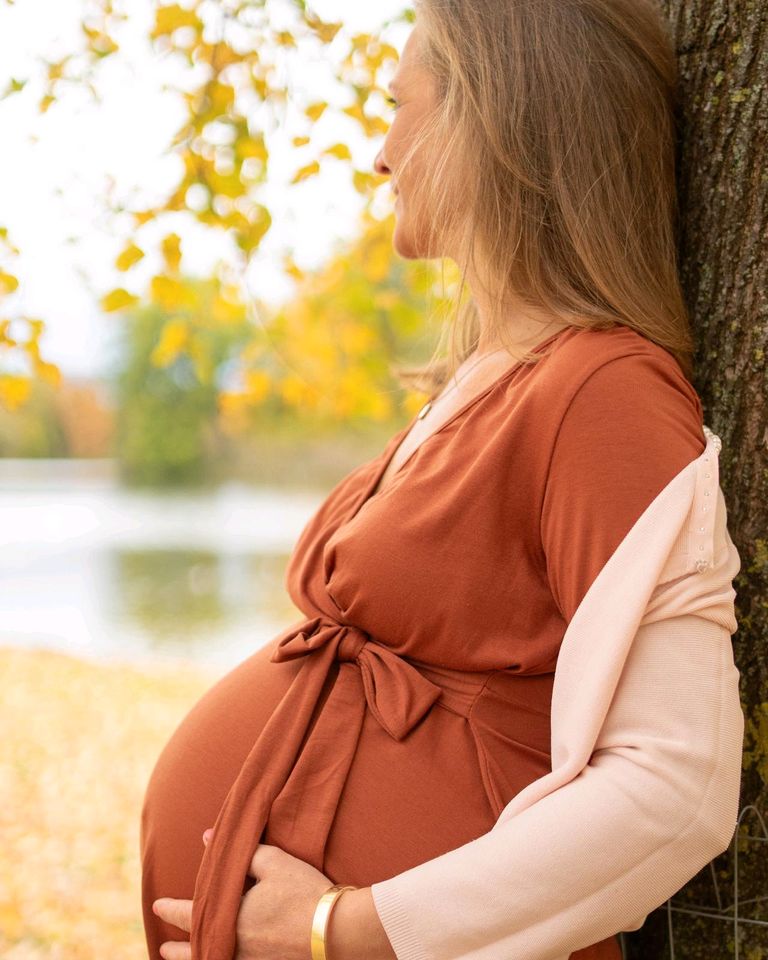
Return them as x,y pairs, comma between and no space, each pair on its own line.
410,703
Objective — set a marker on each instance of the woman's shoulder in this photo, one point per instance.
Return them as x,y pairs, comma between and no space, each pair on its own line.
582,350
617,367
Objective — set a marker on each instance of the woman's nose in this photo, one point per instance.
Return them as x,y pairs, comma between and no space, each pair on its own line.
379,165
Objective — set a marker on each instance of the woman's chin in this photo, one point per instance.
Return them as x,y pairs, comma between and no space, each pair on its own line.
405,245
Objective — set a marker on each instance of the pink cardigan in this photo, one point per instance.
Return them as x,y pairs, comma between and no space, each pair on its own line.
646,742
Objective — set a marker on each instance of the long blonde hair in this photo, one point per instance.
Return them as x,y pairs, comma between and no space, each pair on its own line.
558,121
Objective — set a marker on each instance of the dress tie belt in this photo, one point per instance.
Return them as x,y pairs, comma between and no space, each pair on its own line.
396,692
289,786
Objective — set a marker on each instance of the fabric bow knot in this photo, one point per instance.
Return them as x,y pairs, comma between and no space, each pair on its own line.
397,694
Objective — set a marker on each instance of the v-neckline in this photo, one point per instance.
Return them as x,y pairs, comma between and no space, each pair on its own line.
387,455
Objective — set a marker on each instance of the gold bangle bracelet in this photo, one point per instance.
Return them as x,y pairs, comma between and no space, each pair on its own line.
320,919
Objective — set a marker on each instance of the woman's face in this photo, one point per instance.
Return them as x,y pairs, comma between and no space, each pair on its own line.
414,91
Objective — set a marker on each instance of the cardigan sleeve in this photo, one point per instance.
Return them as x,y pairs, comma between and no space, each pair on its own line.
653,805
595,856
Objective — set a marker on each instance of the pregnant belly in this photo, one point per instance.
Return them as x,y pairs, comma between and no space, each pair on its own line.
403,802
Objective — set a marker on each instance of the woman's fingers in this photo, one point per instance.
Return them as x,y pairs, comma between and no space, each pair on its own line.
176,950
177,912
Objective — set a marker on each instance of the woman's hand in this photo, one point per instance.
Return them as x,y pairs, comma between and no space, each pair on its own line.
275,916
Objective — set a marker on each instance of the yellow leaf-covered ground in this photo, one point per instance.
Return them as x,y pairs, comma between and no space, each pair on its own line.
78,743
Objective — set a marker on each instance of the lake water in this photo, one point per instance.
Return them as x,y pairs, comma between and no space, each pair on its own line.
104,573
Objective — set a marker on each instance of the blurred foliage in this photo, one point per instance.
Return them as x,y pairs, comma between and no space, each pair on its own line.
85,412
19,338
207,384
167,384
33,430
74,419
198,377
327,354
235,62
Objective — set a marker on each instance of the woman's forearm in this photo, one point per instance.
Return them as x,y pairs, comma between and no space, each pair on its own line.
354,930
657,802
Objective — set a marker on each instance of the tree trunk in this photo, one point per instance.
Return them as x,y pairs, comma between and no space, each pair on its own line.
723,185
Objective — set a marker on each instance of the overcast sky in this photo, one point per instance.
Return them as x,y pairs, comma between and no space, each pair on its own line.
55,167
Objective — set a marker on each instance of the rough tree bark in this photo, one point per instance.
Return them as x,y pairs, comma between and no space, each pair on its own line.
722,48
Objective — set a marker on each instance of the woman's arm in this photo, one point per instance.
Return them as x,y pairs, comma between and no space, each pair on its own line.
355,931
657,801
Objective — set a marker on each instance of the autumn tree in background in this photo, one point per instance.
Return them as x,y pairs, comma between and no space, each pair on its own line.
169,376
235,59
201,390
85,412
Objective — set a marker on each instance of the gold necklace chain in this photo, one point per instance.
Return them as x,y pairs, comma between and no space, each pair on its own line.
434,400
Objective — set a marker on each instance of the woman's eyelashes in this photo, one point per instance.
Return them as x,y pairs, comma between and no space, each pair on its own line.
392,102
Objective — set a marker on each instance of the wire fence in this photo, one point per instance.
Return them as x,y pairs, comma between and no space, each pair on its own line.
723,912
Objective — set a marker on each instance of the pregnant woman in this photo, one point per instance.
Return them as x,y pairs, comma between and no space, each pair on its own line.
518,525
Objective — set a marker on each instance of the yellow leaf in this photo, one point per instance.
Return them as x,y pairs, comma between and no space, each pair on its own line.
376,125
305,172
226,184
171,294
224,310
285,39
221,96
387,50
14,390
300,141
173,338
326,31
132,254
170,18
13,87
99,42
143,216
171,247
118,299
258,385
219,54
8,283
48,372
315,110
356,112
340,150
292,269
252,147
36,326
249,238
363,181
